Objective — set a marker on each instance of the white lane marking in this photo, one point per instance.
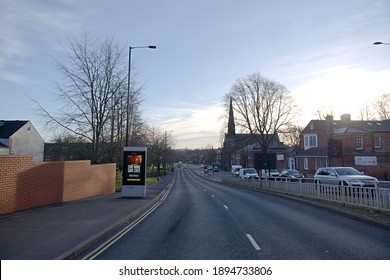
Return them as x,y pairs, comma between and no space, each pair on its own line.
92,255
212,195
225,206
257,248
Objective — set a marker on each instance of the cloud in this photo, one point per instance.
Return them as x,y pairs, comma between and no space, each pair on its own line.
191,127
344,90
26,26
13,77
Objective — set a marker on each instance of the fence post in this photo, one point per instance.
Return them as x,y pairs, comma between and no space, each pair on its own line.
343,193
300,187
286,185
318,186
376,198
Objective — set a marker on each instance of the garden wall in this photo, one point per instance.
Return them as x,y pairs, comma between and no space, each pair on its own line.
26,184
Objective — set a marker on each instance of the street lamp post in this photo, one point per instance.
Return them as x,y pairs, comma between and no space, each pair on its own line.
128,89
380,43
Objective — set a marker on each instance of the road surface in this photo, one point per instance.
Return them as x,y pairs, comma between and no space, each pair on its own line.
201,220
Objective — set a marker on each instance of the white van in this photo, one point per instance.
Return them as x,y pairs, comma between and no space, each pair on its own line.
236,170
273,173
248,173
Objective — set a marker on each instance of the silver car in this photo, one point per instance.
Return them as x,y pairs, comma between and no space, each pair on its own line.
248,173
347,176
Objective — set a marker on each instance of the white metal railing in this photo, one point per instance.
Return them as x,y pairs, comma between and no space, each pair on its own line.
377,198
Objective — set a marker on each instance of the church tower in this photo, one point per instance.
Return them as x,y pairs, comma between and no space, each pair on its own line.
231,125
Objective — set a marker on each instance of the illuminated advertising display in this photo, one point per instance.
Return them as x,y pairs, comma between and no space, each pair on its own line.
134,172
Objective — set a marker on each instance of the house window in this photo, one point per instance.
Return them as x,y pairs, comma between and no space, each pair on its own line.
359,142
305,164
310,141
377,142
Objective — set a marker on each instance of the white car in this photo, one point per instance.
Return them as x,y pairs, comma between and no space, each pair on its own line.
347,176
248,173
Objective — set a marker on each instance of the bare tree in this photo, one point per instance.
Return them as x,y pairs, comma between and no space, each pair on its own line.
291,135
262,107
160,147
382,106
365,112
322,112
93,95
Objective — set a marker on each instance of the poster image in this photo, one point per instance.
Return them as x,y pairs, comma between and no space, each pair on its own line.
134,167
134,163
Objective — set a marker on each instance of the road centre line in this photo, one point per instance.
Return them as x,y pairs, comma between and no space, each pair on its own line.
251,239
257,248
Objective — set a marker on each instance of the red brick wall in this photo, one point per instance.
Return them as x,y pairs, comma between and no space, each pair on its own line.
25,184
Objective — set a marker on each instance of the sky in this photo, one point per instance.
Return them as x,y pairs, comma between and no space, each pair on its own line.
322,51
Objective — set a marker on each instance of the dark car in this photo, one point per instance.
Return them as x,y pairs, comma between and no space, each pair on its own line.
291,174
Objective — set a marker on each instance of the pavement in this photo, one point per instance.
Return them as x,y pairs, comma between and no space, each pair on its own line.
63,231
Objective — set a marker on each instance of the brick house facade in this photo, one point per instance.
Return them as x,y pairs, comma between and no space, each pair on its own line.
364,145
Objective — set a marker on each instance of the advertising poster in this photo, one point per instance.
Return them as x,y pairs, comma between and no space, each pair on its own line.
134,166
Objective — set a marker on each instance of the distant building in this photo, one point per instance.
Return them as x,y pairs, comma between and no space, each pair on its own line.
364,145
20,137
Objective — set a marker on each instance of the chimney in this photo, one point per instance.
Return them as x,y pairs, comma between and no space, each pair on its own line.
345,117
329,118
329,126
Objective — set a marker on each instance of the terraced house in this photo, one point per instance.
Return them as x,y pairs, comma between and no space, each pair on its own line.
364,145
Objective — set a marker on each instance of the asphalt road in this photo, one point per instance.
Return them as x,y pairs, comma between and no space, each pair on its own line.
201,219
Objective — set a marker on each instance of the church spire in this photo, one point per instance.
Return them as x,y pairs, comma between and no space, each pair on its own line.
231,125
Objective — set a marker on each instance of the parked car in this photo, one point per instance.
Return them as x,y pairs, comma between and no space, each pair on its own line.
236,170
273,173
291,174
347,176
248,173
